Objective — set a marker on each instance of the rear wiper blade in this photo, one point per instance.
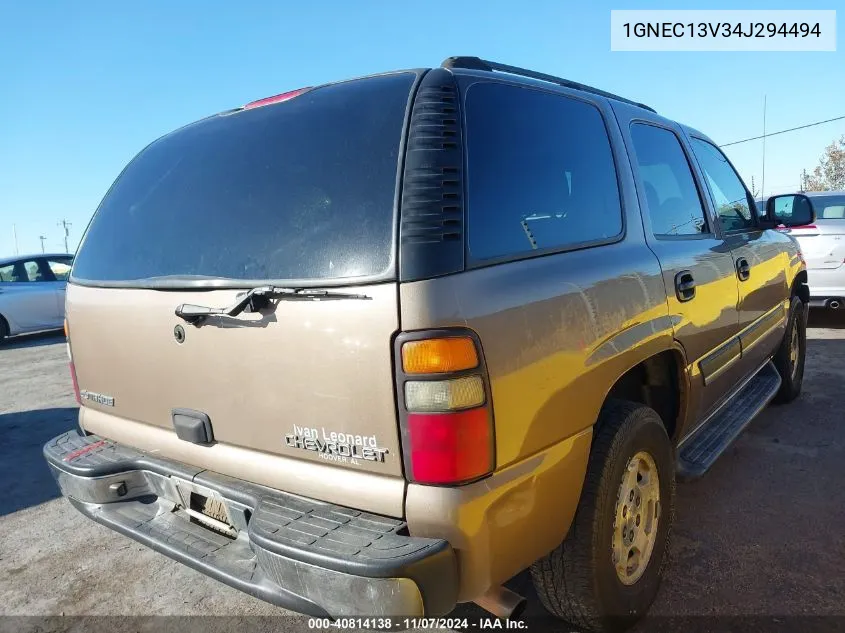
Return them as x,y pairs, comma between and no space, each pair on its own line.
259,298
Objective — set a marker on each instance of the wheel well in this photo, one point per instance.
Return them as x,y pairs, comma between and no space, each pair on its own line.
800,287
4,325
655,382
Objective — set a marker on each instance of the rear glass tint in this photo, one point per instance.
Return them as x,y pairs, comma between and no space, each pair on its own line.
300,190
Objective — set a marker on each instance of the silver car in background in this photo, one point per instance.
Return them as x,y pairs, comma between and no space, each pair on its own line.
32,292
823,246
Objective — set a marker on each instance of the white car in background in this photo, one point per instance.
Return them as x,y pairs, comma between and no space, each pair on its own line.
32,292
823,246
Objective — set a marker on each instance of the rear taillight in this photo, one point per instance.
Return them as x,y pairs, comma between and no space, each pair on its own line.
445,409
72,368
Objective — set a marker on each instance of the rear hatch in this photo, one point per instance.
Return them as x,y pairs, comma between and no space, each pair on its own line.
298,194
823,242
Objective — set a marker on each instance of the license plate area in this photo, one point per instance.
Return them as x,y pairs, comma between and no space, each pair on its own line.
205,506
210,507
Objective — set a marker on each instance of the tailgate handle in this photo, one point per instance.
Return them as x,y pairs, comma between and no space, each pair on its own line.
192,426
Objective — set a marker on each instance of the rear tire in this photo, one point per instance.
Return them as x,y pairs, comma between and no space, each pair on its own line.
579,581
790,356
4,329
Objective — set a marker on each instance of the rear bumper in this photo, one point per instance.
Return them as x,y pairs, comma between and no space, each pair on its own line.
304,555
826,284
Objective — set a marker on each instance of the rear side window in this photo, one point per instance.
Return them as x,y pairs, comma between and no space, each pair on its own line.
22,271
8,273
674,205
540,172
60,267
302,189
829,207
732,201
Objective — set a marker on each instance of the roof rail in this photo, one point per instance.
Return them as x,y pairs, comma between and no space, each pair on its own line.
475,63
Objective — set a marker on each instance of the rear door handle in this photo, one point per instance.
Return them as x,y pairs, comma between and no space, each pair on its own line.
743,270
684,286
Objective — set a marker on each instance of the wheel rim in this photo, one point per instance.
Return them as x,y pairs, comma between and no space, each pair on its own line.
637,516
794,350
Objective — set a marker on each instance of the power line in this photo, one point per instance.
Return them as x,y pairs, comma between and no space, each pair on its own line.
792,129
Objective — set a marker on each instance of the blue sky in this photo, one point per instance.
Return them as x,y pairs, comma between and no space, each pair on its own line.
85,85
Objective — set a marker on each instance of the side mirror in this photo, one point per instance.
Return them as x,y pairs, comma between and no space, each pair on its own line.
790,210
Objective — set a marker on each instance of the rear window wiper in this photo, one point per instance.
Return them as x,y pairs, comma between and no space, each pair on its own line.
259,298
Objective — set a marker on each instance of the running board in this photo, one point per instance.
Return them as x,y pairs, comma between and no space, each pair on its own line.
700,451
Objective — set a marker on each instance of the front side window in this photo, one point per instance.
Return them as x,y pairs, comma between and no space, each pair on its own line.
33,271
540,173
732,201
674,205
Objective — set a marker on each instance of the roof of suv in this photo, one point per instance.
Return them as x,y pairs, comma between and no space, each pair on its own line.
477,67
822,194
810,194
524,75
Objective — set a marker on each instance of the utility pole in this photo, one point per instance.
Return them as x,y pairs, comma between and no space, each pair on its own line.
42,238
15,232
66,226
763,178
804,180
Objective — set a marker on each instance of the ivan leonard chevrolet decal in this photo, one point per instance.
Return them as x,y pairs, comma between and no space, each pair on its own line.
339,447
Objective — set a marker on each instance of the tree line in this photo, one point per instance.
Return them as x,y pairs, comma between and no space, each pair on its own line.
829,175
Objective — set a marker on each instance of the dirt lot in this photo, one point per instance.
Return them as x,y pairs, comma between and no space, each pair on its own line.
762,534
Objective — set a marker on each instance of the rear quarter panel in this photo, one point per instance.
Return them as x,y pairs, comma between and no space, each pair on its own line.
557,331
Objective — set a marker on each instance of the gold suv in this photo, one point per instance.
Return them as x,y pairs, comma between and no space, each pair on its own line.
374,347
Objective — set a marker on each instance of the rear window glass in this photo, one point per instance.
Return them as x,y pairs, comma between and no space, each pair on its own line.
541,173
300,190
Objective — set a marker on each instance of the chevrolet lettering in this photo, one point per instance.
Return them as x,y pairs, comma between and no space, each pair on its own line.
336,448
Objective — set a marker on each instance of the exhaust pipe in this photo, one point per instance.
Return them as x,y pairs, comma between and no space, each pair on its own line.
834,304
502,602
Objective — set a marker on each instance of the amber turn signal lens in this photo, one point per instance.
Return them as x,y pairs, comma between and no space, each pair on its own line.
439,355
65,328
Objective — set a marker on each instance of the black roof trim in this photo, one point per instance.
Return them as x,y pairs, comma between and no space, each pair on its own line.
475,63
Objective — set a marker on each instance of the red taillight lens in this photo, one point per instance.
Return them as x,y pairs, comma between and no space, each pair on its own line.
444,405
450,448
285,96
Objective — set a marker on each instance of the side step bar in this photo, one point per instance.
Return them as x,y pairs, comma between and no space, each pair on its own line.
699,451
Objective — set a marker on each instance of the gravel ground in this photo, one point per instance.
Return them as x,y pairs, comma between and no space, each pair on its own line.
761,534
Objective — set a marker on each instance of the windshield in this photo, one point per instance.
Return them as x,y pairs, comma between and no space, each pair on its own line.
300,190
